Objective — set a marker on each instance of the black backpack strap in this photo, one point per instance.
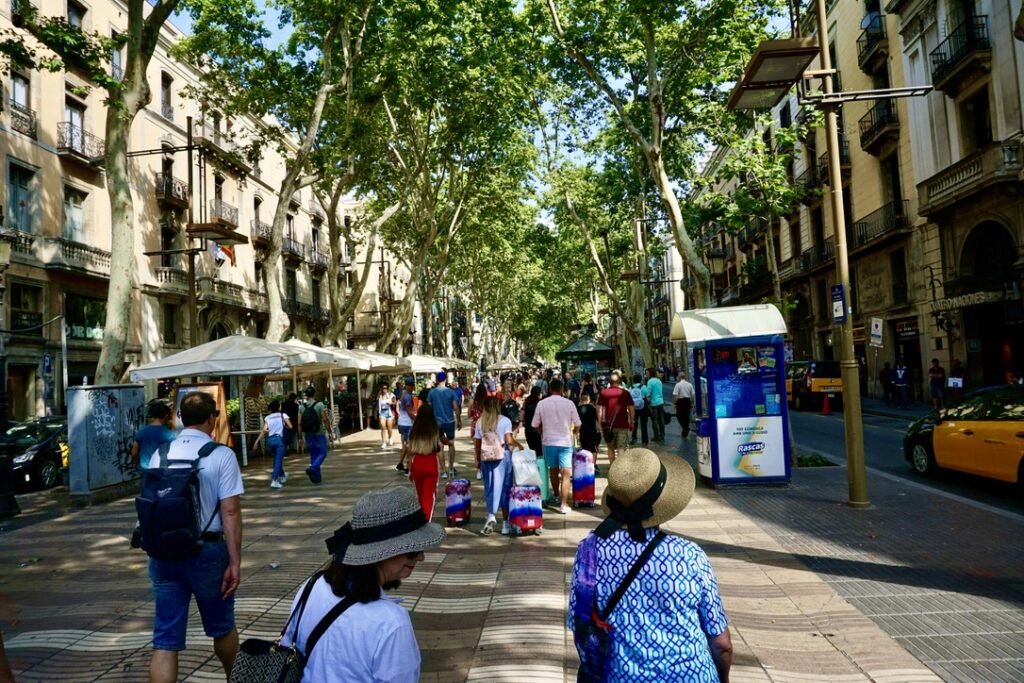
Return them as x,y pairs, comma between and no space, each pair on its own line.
633,571
301,607
209,448
206,450
325,623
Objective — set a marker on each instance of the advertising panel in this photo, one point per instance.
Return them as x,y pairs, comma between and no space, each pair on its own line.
751,447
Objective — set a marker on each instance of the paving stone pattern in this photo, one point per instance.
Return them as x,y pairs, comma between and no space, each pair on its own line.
944,578
484,608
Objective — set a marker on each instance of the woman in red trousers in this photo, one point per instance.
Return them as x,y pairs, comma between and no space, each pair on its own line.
425,442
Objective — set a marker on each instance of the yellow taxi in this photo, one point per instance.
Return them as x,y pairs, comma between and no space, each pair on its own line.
808,382
983,434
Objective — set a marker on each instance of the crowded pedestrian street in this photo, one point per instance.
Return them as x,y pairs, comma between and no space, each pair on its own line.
813,590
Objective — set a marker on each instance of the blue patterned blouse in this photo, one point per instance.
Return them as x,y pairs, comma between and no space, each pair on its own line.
661,625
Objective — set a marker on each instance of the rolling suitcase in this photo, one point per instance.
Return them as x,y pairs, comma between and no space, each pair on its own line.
525,512
583,478
458,502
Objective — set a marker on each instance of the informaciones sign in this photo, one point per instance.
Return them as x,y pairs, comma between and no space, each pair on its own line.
838,304
751,447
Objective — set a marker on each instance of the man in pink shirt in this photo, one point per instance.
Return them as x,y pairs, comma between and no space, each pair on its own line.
557,420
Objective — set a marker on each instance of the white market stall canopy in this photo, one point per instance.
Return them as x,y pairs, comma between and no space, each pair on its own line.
234,355
458,364
342,360
727,322
420,364
381,363
507,364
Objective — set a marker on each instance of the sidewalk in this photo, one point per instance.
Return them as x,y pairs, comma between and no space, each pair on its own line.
876,406
484,608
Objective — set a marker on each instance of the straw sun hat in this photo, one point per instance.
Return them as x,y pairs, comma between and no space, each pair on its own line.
385,524
636,474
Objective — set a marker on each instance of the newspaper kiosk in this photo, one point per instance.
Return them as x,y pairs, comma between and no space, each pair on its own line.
737,364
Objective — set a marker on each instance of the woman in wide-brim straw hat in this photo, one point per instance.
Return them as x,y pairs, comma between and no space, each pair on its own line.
669,623
373,640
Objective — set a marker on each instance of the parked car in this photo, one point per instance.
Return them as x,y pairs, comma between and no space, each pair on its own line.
808,382
982,434
37,450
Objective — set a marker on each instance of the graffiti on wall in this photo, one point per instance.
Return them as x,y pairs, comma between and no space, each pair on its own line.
102,424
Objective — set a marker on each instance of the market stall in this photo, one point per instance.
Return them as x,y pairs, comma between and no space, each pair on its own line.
738,371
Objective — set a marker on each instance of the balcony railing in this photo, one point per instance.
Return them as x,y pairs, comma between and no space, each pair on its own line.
75,141
871,43
292,248
819,255
175,278
223,213
807,184
887,221
171,190
23,119
219,144
301,309
65,254
318,258
260,231
966,46
999,162
880,120
844,161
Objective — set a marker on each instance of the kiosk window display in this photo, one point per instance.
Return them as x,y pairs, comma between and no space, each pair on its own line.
740,407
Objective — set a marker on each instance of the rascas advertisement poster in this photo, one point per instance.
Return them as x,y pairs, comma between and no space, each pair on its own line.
751,447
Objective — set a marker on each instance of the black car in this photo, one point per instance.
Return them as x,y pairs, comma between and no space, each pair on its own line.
35,449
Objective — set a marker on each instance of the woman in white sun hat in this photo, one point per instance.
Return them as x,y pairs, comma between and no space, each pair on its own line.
372,639
644,602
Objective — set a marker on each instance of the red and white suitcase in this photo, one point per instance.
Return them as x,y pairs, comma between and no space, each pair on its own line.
525,512
458,502
583,473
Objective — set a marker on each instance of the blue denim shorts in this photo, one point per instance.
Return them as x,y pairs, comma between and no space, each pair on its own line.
404,431
174,584
558,456
448,429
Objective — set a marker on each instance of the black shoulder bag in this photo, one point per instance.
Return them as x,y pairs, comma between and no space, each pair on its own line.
593,636
265,661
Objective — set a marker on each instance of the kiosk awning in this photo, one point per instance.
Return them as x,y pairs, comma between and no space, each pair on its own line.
728,322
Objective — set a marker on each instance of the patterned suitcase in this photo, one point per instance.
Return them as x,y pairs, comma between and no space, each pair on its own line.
458,502
525,512
583,478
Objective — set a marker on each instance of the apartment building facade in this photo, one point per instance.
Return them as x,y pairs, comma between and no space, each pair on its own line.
57,212
931,195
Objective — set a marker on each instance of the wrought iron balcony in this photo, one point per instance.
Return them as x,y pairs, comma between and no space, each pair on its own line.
217,142
318,258
818,255
878,126
965,54
807,185
74,142
999,162
260,231
889,221
223,213
171,191
873,45
844,161
367,331
59,253
292,249
23,119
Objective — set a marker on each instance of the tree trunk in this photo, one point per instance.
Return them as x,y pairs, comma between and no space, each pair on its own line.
773,264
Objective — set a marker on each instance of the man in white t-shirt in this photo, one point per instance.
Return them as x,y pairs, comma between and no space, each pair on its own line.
682,394
557,419
212,576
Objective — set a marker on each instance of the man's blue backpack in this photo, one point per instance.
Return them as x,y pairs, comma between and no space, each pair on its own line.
169,507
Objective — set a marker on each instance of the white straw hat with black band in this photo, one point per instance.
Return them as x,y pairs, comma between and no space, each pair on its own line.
644,490
384,524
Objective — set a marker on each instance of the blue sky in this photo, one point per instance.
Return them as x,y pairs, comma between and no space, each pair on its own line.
270,19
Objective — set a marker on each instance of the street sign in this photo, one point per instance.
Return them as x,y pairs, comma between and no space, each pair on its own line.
47,364
838,304
876,332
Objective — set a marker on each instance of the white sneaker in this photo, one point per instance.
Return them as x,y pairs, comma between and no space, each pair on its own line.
276,484
505,529
478,475
390,444
383,445
283,479
444,474
565,509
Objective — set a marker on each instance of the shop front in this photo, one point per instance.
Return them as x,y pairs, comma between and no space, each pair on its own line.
906,334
